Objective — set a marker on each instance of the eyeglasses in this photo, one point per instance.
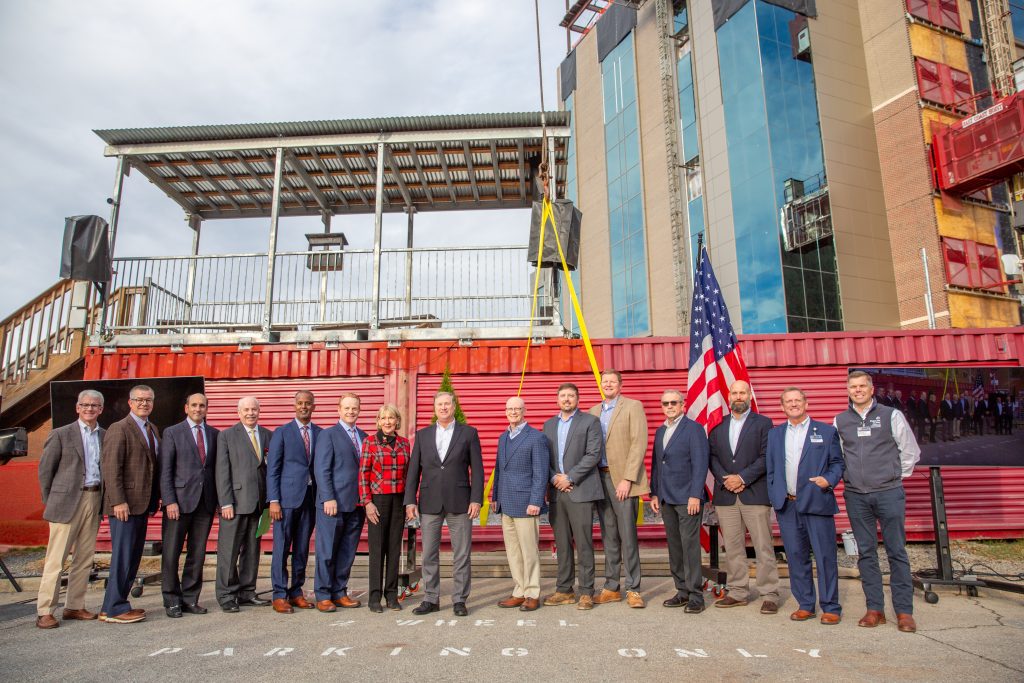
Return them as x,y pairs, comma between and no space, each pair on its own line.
513,410
142,401
666,404
90,406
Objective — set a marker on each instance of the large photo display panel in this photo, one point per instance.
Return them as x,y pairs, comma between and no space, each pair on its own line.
961,417
169,408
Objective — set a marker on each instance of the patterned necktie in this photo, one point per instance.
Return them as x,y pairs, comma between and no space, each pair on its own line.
255,442
200,444
152,439
355,441
305,439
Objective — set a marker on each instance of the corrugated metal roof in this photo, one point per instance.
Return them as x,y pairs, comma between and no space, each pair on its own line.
286,129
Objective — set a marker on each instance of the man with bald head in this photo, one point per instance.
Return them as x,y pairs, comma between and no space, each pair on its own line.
738,449
520,482
242,490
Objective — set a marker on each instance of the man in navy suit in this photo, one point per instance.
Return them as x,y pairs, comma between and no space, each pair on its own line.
188,486
291,494
520,482
738,446
447,472
805,461
339,517
679,469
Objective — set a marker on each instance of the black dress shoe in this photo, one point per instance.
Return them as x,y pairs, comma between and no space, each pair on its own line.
174,611
254,602
194,608
231,606
675,601
426,608
394,605
460,610
375,607
693,608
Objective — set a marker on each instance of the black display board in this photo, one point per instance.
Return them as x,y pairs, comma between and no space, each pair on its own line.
168,409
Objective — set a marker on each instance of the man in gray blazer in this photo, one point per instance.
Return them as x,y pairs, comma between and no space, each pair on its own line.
69,479
241,490
447,471
577,446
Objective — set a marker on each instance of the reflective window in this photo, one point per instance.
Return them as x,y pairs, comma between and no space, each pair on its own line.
773,134
1017,18
689,139
630,314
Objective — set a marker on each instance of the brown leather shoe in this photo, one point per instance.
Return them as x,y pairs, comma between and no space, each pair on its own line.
347,602
906,623
557,598
607,596
281,606
46,621
301,602
635,600
830,618
586,602
78,615
769,607
529,605
801,615
512,601
129,617
729,601
326,606
871,619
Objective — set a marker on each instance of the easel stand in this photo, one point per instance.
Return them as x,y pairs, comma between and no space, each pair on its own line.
713,575
942,575
10,577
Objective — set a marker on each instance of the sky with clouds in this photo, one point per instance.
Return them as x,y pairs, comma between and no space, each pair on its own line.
69,66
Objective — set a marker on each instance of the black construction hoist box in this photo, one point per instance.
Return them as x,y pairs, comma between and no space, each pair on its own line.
86,252
568,219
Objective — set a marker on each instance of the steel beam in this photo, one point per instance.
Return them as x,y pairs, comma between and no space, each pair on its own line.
310,183
275,208
378,235
397,172
420,175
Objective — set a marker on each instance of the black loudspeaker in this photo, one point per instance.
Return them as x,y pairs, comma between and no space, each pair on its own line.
568,219
86,252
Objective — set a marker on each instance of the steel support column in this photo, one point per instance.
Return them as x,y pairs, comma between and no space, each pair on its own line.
411,210
275,211
378,231
196,223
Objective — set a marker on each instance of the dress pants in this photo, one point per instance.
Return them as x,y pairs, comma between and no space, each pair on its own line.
755,519
191,529
291,539
868,511
800,535
618,534
127,540
385,541
460,531
238,557
521,535
79,533
573,522
336,541
682,531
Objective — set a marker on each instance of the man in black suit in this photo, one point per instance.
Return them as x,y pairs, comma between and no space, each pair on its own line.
738,448
241,490
980,411
188,487
447,470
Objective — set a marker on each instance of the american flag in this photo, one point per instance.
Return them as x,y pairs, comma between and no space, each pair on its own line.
979,387
715,359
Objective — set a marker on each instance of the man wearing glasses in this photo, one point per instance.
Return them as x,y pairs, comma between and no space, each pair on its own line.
131,492
69,478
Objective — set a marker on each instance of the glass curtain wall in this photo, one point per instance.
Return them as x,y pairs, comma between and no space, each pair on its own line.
773,135
689,137
630,305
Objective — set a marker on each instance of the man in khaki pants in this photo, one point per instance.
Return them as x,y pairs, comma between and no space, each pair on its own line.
69,479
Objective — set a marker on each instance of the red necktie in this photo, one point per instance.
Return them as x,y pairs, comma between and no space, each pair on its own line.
201,444
305,439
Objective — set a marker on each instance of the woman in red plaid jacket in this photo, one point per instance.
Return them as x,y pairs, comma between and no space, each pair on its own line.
382,471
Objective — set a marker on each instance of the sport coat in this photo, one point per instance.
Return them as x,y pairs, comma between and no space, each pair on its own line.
241,472
289,470
336,467
680,469
819,458
626,444
748,461
584,446
62,472
184,479
448,486
520,472
129,468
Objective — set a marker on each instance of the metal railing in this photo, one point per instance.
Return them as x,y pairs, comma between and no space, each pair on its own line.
323,290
